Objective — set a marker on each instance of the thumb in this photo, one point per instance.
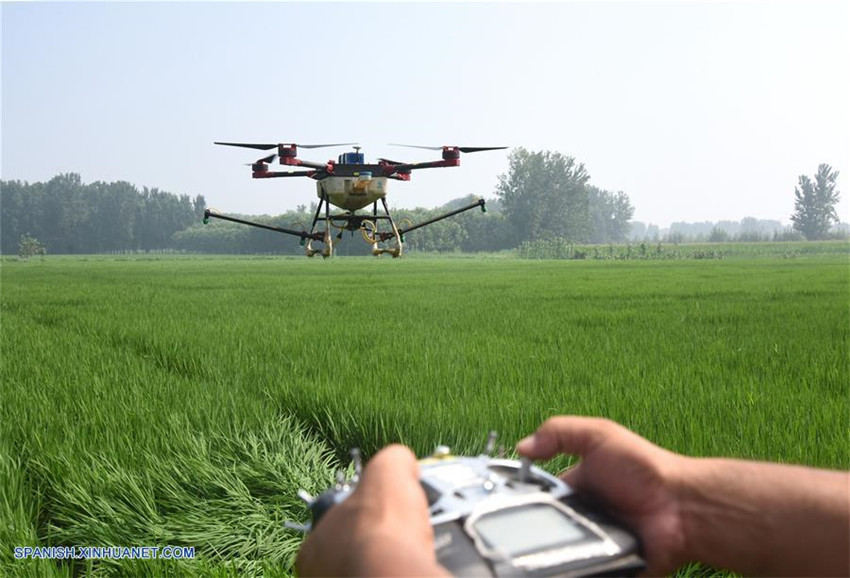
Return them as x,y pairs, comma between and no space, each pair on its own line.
393,467
565,435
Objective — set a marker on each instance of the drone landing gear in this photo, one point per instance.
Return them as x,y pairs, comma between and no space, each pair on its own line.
324,237
325,252
390,242
393,240
395,250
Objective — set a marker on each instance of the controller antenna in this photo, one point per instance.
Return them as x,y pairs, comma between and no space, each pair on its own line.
306,497
525,470
491,442
358,464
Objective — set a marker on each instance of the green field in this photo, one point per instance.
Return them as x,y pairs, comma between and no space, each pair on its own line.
183,401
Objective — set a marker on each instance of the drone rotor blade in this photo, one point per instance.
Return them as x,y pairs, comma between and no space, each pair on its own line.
461,149
416,147
269,159
318,146
479,149
269,146
262,147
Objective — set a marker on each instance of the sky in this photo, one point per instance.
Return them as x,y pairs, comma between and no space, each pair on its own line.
697,111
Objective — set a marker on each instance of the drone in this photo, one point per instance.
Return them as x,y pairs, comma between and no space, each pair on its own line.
349,184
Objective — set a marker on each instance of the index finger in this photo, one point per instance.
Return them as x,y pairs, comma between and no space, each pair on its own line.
566,434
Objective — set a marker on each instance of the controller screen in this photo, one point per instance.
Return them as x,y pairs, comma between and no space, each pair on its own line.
527,529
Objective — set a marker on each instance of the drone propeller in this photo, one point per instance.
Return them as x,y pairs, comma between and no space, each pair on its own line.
269,146
461,149
392,144
479,149
269,159
318,146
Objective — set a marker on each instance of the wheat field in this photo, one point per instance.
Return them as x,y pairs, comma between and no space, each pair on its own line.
184,400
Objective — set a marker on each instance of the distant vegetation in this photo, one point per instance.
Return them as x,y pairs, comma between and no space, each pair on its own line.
66,215
814,203
747,230
544,200
814,219
655,251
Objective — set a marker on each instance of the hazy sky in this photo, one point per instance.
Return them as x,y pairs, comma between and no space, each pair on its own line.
698,111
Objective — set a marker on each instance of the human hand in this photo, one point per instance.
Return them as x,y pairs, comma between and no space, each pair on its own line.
637,480
382,529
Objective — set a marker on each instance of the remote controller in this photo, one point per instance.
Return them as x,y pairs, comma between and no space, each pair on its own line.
500,517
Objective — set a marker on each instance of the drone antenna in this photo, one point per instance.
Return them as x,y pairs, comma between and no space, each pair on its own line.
357,149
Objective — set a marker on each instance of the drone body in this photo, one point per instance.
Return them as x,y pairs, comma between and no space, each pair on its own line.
350,184
354,184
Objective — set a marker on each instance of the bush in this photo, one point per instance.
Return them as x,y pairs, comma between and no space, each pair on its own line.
558,248
30,246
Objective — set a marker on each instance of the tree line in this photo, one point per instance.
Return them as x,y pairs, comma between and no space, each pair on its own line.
543,195
747,230
67,216
814,218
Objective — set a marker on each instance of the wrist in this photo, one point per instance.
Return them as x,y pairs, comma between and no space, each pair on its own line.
722,518
674,531
692,502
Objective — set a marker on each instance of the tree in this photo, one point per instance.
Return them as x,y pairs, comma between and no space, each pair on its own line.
718,235
814,205
199,205
544,195
30,247
611,213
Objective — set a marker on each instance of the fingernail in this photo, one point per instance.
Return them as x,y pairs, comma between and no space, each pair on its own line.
526,444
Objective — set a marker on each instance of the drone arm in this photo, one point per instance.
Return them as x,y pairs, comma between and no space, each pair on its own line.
299,163
406,168
451,158
267,174
303,234
478,203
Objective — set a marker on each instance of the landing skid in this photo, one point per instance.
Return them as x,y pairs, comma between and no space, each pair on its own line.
325,238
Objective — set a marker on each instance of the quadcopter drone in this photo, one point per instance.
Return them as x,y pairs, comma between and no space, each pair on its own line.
350,184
